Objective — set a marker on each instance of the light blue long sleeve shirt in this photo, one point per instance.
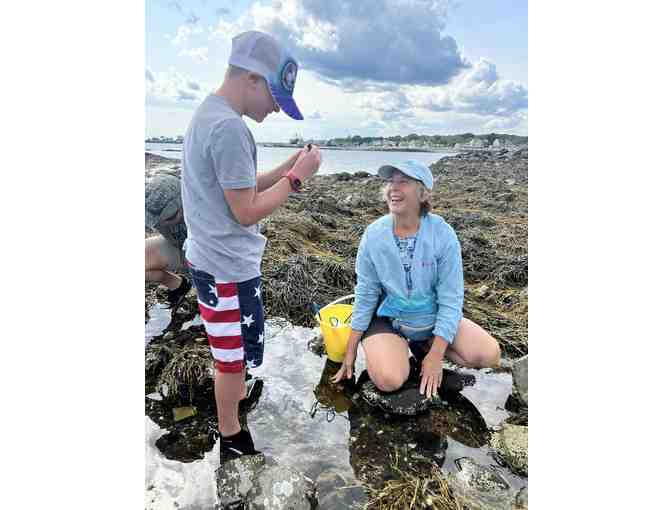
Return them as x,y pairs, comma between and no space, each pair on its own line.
437,294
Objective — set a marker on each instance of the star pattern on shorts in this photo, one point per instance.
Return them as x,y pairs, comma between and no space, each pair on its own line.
261,339
247,320
213,290
257,292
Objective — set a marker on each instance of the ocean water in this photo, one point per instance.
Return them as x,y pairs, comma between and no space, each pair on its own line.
333,161
297,423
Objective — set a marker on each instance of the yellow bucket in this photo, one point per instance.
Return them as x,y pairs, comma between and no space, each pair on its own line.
334,321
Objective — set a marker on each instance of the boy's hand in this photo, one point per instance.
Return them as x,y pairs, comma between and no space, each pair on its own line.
308,162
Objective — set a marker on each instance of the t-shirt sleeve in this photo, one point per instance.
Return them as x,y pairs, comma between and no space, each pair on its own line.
232,155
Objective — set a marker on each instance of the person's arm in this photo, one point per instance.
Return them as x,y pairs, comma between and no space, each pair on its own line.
450,297
449,289
368,288
267,179
249,206
367,292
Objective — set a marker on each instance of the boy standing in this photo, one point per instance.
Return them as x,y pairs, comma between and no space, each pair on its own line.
223,199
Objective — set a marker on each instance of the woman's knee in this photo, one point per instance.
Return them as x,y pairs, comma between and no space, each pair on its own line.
476,346
388,380
486,356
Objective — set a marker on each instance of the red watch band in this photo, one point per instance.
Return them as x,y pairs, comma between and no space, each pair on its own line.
294,181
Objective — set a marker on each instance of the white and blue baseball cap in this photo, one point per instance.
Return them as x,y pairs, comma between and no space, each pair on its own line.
262,54
411,168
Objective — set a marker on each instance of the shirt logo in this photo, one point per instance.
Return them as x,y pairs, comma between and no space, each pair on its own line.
288,76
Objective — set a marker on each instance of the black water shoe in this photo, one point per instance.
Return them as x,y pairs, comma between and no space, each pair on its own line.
237,445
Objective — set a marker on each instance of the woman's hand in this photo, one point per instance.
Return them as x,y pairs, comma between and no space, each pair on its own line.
347,368
432,373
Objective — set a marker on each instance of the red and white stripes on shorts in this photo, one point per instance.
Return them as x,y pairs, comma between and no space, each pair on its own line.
232,314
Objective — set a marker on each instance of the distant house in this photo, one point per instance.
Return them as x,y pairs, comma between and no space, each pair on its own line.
496,144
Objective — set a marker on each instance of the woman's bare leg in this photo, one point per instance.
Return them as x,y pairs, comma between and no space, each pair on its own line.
473,346
386,360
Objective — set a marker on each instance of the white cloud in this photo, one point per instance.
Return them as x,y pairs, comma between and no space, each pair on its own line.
149,76
477,90
184,32
403,43
517,122
198,54
173,89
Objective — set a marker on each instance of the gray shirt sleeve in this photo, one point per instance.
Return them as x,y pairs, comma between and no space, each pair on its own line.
232,155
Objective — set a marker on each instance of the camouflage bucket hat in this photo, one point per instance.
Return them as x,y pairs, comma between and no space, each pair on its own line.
162,199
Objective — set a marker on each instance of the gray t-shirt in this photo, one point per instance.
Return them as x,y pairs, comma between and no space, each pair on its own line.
219,153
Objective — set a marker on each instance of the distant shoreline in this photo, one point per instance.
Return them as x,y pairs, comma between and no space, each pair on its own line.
340,148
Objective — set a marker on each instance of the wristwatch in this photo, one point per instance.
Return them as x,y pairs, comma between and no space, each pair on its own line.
294,181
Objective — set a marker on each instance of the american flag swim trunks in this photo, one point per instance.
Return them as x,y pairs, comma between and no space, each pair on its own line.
233,315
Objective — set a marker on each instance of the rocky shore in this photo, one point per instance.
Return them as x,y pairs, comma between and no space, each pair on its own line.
310,255
313,239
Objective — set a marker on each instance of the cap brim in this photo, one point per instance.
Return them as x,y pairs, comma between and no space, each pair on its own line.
286,102
385,171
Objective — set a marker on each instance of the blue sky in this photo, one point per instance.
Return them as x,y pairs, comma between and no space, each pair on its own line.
367,67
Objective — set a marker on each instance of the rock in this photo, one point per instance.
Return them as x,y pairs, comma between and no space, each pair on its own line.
520,377
480,487
343,176
511,444
255,482
182,413
279,488
521,499
510,182
235,478
169,336
407,401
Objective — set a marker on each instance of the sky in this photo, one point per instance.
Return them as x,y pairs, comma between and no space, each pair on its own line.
366,67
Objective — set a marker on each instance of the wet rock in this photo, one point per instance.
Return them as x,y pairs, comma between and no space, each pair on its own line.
408,401
511,444
182,413
521,499
185,445
480,487
256,482
520,377
457,418
235,478
279,488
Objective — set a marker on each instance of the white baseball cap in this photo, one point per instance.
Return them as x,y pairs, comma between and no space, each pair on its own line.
262,54
411,168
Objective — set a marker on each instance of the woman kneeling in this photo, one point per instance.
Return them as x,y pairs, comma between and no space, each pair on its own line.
410,291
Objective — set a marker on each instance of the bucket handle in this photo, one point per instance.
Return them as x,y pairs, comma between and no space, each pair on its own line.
339,300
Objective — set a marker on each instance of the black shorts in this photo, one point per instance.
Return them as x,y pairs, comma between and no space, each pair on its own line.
384,325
